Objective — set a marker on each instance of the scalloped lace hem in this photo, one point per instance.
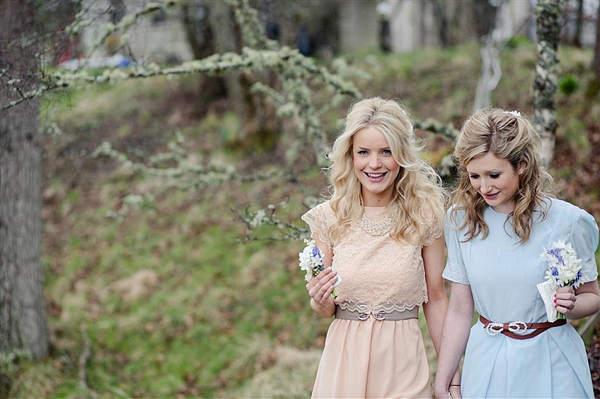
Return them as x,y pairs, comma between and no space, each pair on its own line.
386,308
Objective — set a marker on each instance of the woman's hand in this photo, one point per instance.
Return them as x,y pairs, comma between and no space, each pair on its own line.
452,391
441,393
321,286
455,392
564,300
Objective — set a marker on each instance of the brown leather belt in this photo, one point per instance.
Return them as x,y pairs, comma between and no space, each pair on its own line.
516,329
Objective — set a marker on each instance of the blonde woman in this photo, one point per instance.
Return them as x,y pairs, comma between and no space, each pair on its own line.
381,231
501,221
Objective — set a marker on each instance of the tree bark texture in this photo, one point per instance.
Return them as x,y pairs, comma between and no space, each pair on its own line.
201,39
578,24
596,62
548,13
22,312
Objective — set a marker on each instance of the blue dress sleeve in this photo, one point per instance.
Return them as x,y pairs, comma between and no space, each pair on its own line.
455,270
584,238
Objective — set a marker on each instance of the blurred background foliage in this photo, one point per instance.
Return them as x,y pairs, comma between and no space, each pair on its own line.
172,302
177,297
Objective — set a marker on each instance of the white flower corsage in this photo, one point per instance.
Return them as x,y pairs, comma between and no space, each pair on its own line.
513,113
311,261
564,269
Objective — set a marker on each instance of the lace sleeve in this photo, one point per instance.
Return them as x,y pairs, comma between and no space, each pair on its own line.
455,273
455,267
319,219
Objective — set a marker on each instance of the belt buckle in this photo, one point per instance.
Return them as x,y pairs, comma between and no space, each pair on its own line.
379,316
362,316
517,327
494,328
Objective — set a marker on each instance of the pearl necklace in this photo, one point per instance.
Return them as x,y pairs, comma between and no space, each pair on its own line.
377,227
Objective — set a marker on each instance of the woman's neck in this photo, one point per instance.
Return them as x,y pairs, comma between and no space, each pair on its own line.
371,200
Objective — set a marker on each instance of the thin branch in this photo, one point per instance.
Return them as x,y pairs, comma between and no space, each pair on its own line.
84,358
446,130
250,59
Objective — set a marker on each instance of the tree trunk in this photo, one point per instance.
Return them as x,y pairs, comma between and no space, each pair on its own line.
491,71
200,36
117,11
548,13
22,312
596,63
484,13
441,17
228,39
578,24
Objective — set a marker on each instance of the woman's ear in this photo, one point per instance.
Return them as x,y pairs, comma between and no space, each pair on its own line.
522,167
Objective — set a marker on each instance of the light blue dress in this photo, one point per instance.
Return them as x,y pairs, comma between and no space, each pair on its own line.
503,275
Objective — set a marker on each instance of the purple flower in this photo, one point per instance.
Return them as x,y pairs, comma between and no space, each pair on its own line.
556,253
316,251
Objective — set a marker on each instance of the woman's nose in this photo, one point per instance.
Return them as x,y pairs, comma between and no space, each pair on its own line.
484,186
374,162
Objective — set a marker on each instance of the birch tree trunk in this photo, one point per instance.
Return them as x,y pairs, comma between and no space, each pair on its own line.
491,71
547,69
22,312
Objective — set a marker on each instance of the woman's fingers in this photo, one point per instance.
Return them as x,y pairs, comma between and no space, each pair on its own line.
565,299
455,392
320,287
326,292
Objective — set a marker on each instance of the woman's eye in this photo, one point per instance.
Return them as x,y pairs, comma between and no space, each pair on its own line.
362,152
473,176
386,152
494,175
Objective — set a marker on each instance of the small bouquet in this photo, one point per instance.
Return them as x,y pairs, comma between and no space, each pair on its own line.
564,269
311,261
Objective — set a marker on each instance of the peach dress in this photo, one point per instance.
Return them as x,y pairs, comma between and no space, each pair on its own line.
372,358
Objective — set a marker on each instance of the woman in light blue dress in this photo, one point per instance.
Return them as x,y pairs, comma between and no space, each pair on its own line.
500,222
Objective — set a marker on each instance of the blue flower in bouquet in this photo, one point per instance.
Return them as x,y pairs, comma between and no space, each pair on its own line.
311,260
564,268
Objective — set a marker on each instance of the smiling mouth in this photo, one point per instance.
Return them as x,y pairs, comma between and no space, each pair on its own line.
491,196
375,176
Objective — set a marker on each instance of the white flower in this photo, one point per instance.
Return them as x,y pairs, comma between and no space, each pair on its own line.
311,260
513,113
257,220
564,268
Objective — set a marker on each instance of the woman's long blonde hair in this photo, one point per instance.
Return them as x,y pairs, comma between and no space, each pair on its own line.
419,213
509,136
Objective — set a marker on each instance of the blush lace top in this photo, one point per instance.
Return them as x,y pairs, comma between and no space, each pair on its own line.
379,274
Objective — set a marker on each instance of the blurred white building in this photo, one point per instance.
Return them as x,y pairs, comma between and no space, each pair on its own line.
159,37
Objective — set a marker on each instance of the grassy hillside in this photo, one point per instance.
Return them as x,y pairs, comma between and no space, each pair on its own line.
167,302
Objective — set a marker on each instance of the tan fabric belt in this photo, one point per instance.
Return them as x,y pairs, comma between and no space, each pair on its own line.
517,329
395,315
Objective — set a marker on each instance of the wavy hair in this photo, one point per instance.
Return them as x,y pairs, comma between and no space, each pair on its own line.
418,193
509,136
